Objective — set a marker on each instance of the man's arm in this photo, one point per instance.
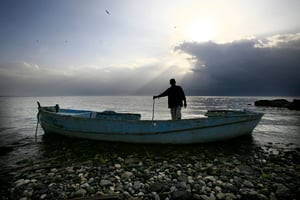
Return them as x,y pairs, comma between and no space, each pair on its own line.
165,93
184,101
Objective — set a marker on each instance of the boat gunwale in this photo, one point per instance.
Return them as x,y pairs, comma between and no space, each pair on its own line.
249,113
253,116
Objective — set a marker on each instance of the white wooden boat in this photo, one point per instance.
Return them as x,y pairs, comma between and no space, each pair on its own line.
126,127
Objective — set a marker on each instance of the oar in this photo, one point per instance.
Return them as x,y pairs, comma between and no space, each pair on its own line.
38,120
153,110
36,129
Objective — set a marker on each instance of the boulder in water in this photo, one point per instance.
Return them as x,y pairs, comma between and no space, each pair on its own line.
283,103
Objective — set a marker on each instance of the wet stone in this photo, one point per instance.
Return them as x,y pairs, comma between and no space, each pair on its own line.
181,195
105,183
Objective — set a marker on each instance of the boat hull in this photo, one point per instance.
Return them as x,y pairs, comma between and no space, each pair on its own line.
187,131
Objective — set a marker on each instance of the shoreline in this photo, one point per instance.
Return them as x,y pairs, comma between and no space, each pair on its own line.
207,172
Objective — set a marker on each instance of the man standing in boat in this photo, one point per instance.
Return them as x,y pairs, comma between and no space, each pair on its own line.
176,99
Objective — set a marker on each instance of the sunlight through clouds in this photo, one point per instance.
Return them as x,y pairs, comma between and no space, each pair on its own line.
180,60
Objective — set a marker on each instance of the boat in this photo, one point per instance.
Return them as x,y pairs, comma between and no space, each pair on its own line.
216,125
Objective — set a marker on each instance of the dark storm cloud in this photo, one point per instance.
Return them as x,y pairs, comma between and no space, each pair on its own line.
267,66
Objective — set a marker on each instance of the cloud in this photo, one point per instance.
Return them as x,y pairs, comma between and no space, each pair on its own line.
267,66
26,79
281,41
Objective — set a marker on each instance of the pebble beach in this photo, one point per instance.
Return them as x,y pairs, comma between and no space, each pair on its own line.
218,171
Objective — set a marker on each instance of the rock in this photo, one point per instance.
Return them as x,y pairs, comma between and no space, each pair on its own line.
210,178
272,103
118,166
131,161
155,196
70,170
85,185
190,180
282,191
221,195
295,105
156,187
262,103
140,194
40,186
197,196
201,183
178,172
53,170
137,185
22,182
279,103
212,196
105,183
248,184
80,193
204,197
6,149
126,175
249,194
262,197
298,193
218,188
230,196
181,195
182,178
181,185
230,187
245,169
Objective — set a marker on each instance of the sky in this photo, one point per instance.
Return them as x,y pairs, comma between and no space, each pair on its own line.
134,47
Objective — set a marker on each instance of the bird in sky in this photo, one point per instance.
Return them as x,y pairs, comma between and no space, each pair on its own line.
107,12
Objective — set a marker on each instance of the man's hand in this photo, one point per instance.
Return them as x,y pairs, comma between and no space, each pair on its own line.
184,105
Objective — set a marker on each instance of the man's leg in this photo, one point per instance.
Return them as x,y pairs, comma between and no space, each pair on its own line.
173,112
178,112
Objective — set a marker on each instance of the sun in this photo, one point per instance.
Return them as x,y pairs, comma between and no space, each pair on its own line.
200,30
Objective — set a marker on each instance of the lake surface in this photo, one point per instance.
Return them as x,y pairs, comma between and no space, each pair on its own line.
279,127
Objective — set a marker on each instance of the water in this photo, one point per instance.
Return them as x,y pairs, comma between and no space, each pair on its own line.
279,127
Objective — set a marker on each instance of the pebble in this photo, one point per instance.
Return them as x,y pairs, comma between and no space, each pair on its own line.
80,193
105,183
118,166
227,177
127,175
248,184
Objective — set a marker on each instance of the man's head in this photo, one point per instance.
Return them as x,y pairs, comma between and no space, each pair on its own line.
172,82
